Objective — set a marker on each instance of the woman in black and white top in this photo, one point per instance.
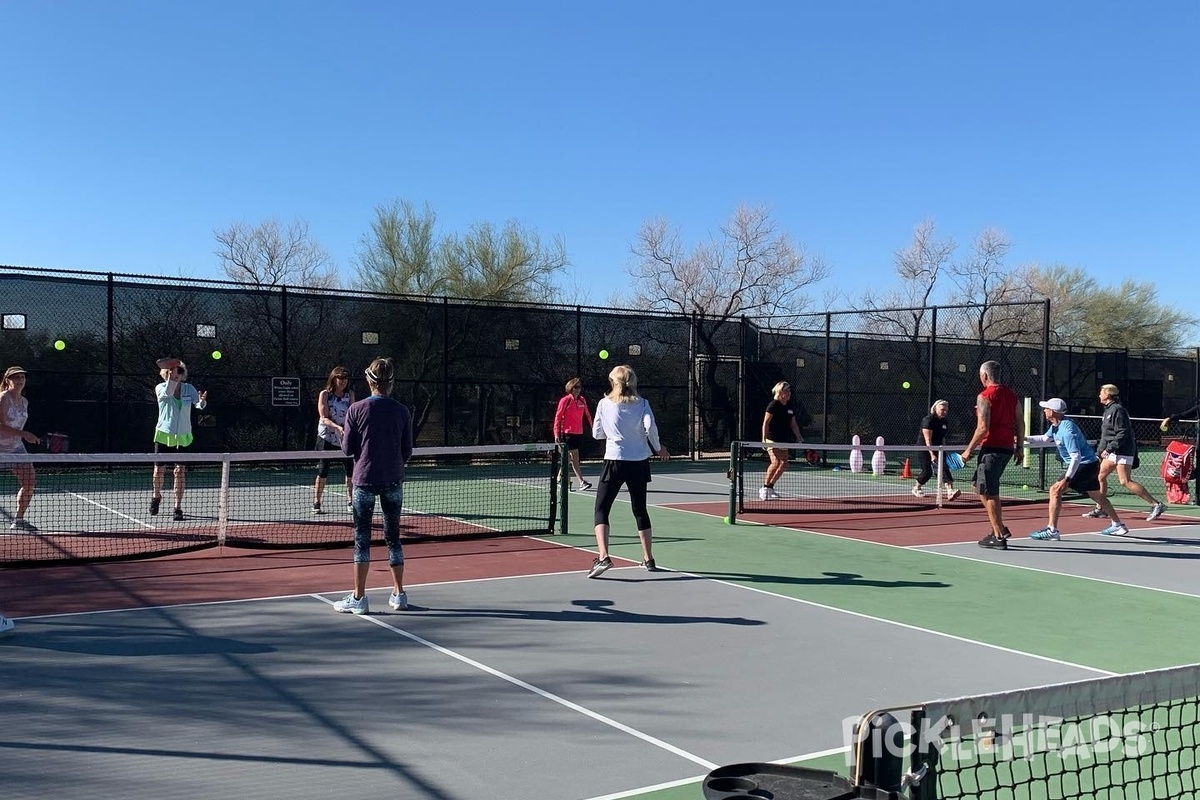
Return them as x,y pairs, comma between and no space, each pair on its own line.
332,404
626,424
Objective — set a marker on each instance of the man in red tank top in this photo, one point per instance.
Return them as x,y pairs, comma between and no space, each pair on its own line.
999,431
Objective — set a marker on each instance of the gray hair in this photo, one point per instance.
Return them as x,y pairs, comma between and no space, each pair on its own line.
990,370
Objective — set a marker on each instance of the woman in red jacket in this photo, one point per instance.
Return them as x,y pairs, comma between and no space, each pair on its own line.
568,425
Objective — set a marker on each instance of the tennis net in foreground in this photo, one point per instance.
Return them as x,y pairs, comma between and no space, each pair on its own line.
1127,736
831,477
91,507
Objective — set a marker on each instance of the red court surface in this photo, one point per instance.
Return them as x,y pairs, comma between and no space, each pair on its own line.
236,573
950,525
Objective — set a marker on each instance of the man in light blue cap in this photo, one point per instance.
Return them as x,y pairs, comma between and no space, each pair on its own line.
1081,469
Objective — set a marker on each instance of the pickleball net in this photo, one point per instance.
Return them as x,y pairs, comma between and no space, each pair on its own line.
1125,736
97,507
828,478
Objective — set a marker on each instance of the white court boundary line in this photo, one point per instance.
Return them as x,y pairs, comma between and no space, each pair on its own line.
529,687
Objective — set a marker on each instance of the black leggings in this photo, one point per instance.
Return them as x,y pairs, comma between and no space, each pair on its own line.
927,468
633,474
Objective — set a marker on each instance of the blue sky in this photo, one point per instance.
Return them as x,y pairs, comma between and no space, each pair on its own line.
132,130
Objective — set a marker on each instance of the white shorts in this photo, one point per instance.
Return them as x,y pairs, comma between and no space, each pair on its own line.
1121,461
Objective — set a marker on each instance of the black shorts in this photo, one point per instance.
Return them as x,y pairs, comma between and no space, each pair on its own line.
992,461
158,445
1086,478
573,440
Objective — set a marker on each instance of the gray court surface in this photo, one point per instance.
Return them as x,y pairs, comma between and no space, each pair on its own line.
549,687
1162,557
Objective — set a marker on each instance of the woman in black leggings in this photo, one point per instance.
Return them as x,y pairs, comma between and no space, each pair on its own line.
626,424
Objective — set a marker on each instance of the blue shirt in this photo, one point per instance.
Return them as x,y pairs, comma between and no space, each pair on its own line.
1072,444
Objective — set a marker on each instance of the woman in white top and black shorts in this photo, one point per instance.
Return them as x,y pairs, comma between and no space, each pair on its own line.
626,424
332,404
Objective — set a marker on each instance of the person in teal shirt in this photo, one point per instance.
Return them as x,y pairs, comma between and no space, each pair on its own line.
176,398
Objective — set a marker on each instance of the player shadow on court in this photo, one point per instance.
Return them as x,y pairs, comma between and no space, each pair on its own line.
1076,548
592,611
112,641
830,579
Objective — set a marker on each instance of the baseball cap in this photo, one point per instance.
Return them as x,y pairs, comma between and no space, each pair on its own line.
1054,404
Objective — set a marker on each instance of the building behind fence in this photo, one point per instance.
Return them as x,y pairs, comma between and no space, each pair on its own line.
479,373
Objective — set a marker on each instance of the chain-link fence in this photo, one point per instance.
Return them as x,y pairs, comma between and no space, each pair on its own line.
479,373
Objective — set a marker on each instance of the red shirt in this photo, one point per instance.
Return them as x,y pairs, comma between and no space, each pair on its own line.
1001,432
568,417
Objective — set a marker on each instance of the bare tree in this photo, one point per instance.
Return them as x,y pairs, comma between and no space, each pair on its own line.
403,254
983,280
270,254
752,268
902,310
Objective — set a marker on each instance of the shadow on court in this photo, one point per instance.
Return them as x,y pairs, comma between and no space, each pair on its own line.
851,579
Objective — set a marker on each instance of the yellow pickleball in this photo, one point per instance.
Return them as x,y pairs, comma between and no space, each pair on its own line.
603,354
216,354
59,344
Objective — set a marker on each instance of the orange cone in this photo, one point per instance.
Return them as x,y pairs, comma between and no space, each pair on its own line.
907,471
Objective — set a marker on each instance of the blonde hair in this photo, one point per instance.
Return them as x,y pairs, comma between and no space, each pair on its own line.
571,384
779,387
624,384
1111,390
936,403
380,375
166,374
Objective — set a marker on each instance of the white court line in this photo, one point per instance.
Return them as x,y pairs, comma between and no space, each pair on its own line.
687,781
112,510
529,687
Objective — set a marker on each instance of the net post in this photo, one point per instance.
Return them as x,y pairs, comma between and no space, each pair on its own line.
734,464
223,501
561,456
878,755
1027,455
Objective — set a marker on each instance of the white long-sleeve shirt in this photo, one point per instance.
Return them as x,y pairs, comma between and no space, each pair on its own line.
628,429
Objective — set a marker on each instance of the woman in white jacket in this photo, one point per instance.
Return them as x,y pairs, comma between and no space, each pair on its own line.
626,424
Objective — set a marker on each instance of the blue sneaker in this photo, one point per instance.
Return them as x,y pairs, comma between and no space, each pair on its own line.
352,605
1116,529
1046,534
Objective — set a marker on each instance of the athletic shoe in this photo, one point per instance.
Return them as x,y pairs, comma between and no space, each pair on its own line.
1095,513
992,542
177,515
649,565
1155,512
953,494
22,524
764,494
917,491
317,508
6,625
399,602
154,501
1046,534
773,495
599,567
352,605
1116,529
585,487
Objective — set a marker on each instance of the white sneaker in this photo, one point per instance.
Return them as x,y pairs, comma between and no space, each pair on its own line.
1156,512
952,493
917,491
764,493
352,605
1095,513
6,625
585,487
22,524
773,495
399,602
